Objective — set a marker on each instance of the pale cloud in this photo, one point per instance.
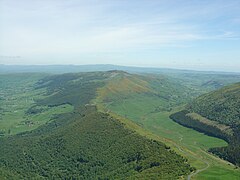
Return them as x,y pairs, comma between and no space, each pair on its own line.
79,27
96,29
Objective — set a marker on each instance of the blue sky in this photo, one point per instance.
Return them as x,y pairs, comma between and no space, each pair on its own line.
186,34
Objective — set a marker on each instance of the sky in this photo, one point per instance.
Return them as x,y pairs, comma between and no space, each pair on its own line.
183,34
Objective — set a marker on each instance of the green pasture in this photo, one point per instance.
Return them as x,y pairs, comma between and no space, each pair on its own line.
17,95
146,112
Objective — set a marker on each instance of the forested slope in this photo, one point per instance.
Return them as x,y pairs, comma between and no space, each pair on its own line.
222,107
84,144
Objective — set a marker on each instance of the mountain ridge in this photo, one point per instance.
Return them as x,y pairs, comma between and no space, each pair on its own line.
85,143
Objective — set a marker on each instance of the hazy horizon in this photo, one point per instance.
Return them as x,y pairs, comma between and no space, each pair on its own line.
125,66
194,35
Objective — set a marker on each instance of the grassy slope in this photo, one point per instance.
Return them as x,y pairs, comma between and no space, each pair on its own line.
18,93
84,144
143,109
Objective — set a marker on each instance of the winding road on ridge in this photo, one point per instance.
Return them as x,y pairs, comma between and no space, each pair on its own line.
198,171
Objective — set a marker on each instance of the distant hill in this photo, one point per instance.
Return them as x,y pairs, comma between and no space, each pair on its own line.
121,86
98,67
201,81
217,114
86,143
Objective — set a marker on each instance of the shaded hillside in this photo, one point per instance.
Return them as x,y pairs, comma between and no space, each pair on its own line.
222,105
84,144
216,114
75,89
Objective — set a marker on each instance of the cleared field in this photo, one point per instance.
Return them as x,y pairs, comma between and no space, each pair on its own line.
145,111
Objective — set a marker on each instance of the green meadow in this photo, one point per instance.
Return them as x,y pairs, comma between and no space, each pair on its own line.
146,112
17,95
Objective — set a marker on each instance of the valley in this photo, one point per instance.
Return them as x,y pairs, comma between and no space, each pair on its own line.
81,120
151,112
119,90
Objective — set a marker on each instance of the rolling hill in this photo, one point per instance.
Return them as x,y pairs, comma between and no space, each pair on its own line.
122,86
217,114
85,143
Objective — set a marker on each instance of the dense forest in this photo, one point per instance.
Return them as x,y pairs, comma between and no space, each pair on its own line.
85,143
221,106
182,118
